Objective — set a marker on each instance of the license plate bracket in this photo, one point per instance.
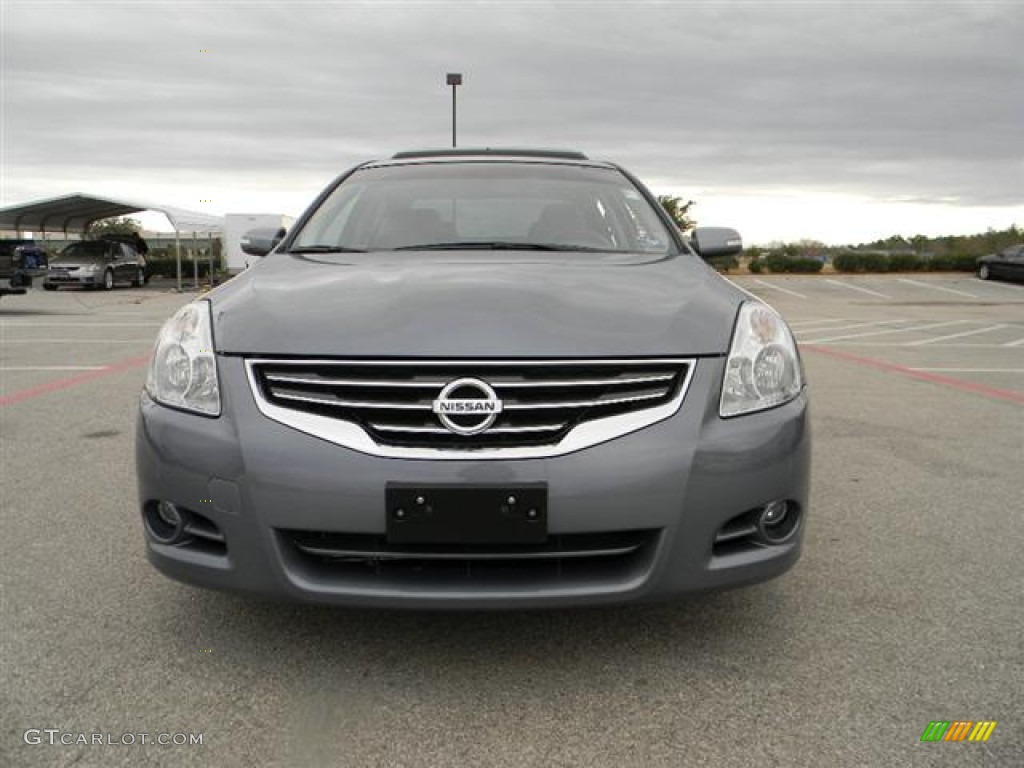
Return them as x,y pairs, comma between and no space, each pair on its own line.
467,514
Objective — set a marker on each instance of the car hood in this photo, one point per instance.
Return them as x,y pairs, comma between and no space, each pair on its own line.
475,304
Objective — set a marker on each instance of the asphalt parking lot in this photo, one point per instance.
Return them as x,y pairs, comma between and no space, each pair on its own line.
907,606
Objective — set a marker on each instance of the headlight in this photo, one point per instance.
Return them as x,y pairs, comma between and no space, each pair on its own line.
183,372
763,369
91,268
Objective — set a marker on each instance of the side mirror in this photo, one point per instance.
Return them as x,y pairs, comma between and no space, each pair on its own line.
261,241
716,241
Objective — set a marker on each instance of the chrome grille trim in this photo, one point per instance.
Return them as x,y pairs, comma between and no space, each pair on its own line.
327,381
582,403
386,405
438,383
573,433
492,430
339,403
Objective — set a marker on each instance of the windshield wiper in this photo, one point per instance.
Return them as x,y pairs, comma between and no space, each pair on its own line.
495,245
326,249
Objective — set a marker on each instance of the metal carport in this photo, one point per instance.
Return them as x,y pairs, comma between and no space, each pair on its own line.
75,212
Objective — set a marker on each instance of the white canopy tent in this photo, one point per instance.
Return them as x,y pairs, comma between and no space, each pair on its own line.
75,212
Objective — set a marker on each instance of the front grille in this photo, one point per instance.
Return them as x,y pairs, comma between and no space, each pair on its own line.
542,402
367,559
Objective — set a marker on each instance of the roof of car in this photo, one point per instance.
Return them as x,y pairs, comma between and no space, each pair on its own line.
511,154
563,154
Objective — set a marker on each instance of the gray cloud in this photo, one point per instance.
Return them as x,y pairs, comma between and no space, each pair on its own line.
892,101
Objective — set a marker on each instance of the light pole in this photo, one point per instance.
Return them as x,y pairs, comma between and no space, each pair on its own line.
454,79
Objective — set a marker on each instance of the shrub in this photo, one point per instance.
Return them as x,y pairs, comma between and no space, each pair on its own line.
861,262
956,263
845,262
812,266
755,266
169,268
902,262
724,263
905,262
874,262
776,263
965,263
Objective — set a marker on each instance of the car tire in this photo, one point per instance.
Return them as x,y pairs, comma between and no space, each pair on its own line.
48,287
140,279
983,272
108,280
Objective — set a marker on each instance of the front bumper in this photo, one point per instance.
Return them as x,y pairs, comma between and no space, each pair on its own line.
74,278
678,481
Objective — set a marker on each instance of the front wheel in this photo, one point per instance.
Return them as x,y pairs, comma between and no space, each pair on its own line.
983,272
108,280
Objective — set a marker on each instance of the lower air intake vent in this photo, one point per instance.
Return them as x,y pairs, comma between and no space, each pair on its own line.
368,559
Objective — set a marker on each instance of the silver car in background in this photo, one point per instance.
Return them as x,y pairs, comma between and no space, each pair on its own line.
96,264
476,379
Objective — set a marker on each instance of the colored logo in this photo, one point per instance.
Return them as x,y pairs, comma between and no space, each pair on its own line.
958,730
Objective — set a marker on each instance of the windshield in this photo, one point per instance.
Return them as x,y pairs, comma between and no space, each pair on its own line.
87,249
499,205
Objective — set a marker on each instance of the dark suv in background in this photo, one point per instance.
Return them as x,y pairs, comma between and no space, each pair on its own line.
20,261
96,263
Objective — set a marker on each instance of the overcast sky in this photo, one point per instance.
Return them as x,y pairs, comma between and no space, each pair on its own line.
843,122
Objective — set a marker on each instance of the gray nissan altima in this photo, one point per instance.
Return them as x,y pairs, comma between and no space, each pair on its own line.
476,379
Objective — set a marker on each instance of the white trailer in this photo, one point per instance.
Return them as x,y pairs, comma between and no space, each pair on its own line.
236,225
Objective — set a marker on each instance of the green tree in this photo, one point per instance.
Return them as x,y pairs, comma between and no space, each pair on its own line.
679,211
920,243
122,225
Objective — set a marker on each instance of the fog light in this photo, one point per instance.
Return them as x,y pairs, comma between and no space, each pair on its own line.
165,522
168,513
778,522
774,513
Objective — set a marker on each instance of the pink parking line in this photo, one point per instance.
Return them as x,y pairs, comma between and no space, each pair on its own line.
881,365
73,381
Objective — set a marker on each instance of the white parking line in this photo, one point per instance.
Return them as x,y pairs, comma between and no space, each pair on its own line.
889,330
780,288
969,370
1017,343
76,341
853,287
997,285
78,325
954,345
936,287
812,331
52,368
956,335
802,324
